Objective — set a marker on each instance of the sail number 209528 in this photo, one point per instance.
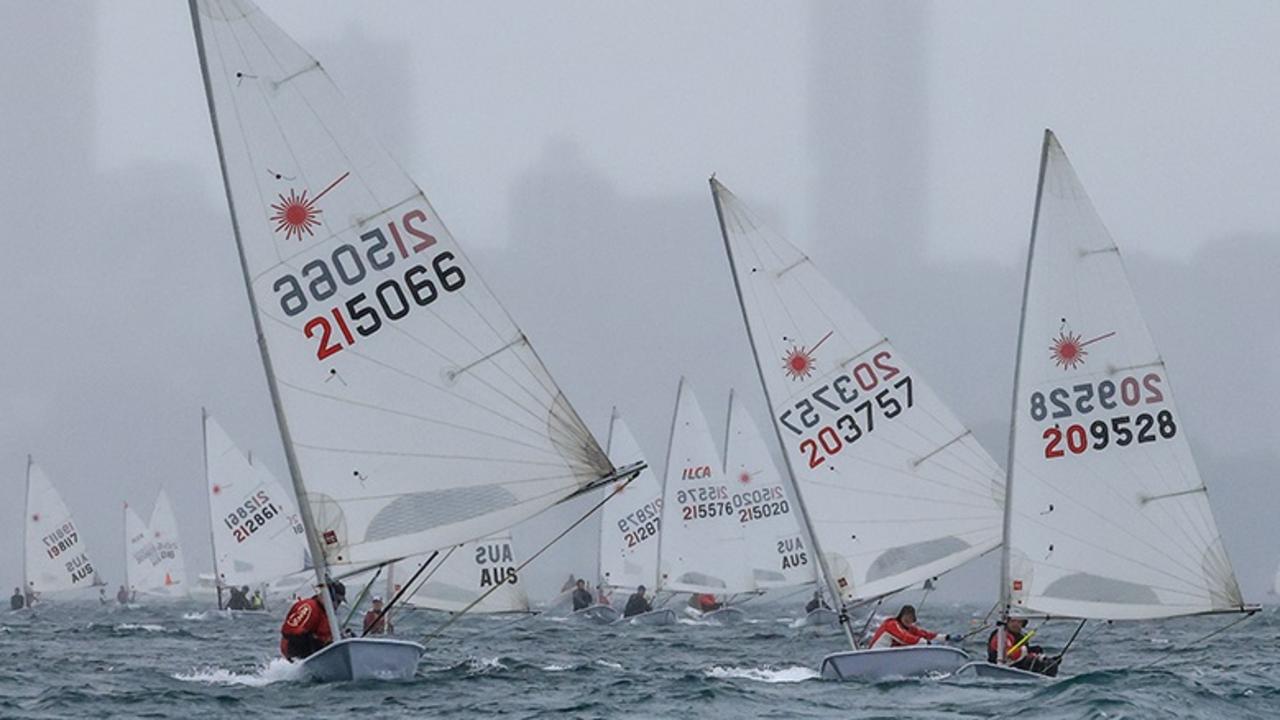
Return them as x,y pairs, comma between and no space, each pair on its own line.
392,299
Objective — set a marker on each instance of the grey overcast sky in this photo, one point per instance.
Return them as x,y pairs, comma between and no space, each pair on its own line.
567,144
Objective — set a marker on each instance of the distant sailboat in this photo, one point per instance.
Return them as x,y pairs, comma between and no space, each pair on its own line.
413,411
891,487
54,556
703,546
257,533
1107,517
164,534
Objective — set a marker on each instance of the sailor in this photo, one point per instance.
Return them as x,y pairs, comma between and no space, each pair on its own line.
102,596
239,599
901,630
375,621
637,604
1017,653
257,603
17,602
581,596
122,595
306,627
602,597
816,602
705,602
30,594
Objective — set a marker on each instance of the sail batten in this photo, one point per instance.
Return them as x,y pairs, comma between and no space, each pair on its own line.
1110,517
415,412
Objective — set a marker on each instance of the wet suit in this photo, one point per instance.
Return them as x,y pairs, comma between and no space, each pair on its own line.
17,602
581,599
1026,658
636,605
305,630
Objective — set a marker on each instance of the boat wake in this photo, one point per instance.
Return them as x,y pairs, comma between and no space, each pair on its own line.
766,674
273,671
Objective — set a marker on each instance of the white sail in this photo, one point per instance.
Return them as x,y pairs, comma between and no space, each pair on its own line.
631,520
897,489
172,567
1109,517
142,567
55,557
468,571
257,533
415,412
776,551
703,542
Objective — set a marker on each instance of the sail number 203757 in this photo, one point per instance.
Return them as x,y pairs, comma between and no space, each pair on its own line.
365,313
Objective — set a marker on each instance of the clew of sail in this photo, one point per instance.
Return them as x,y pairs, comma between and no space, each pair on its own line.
55,558
776,550
897,490
415,412
703,539
468,571
632,519
257,534
1109,517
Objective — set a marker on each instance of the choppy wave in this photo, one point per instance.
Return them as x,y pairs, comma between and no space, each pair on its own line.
793,674
269,672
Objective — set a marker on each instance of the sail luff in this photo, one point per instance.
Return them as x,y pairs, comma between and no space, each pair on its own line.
671,436
26,518
304,508
213,544
800,505
1005,573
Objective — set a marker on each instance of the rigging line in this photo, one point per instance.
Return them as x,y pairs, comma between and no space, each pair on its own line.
1168,652
617,489
871,616
433,456
360,598
387,608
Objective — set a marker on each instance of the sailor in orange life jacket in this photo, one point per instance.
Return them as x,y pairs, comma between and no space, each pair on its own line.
704,602
306,627
1024,657
901,630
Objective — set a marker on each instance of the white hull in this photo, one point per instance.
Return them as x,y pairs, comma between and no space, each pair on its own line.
599,614
988,671
661,616
820,617
723,616
364,659
878,663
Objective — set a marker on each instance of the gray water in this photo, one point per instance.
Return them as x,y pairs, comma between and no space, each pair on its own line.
171,661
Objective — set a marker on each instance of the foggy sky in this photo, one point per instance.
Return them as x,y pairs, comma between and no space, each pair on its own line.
567,146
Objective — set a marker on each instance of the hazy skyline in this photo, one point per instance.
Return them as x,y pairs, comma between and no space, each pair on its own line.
568,146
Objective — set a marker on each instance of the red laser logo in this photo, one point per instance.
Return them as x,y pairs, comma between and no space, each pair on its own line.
799,361
1068,349
297,214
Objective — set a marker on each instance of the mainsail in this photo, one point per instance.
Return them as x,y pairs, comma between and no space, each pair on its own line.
896,489
631,520
1108,517
257,534
470,570
164,534
142,567
703,543
777,553
415,413
54,556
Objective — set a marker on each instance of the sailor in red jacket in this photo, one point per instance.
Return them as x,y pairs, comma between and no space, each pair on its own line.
306,627
901,630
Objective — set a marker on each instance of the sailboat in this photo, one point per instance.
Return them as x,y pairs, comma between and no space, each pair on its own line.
703,543
154,565
1107,515
629,527
413,412
257,536
54,558
777,553
890,487
164,535
470,570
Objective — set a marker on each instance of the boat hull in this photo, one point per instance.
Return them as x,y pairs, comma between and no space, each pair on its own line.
364,659
598,614
661,616
878,663
820,617
1003,673
723,616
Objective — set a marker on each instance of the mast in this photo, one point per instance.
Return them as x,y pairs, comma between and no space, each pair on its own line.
213,547
804,512
1005,597
608,448
26,518
728,427
124,518
295,473
666,466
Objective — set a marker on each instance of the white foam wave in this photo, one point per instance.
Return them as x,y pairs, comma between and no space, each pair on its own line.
608,664
482,665
272,671
766,674
195,615
557,668
140,626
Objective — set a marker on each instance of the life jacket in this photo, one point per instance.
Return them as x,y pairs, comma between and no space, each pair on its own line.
707,602
307,617
1010,639
892,633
